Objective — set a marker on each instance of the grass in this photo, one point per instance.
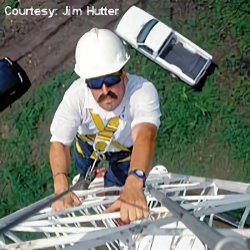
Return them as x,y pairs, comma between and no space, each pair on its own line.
204,133
201,133
25,171
11,3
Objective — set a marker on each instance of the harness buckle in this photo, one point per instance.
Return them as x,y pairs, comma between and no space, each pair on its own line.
101,145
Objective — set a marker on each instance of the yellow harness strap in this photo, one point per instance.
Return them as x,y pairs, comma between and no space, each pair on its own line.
98,121
103,137
106,132
78,148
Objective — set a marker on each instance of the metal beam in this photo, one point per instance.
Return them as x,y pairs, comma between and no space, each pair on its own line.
213,239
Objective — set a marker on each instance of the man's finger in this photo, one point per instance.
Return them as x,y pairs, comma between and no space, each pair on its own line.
114,207
57,206
139,213
76,201
124,222
124,213
132,213
145,212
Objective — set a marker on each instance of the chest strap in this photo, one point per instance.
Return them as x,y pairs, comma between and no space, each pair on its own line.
105,135
104,138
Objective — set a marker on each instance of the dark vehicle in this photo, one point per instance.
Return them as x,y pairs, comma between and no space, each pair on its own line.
14,82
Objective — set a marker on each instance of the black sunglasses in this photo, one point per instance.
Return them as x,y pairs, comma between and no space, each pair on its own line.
109,80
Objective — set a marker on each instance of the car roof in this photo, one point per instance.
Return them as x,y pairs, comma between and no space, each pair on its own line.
157,36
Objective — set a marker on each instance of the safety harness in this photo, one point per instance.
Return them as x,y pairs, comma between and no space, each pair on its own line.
103,139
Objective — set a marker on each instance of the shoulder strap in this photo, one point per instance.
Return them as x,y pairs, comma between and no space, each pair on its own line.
97,120
104,137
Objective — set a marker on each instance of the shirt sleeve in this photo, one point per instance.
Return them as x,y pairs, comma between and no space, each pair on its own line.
66,120
145,105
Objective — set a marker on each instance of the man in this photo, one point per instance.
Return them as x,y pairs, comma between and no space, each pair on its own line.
106,111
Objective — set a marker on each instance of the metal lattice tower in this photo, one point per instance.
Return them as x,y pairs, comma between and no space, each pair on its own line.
186,212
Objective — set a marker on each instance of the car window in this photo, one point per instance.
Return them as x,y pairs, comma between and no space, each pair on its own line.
166,47
146,48
145,30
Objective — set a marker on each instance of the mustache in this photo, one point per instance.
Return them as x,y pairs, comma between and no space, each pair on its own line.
110,94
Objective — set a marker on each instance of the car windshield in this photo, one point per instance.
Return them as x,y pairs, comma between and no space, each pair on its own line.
145,30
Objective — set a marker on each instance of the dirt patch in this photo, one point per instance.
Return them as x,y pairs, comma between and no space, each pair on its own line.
41,44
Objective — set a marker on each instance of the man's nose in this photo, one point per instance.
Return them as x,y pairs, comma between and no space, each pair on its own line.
104,88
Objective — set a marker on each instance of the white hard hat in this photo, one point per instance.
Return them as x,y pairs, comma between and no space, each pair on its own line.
99,52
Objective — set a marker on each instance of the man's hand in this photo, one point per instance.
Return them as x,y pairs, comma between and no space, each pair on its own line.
59,161
68,200
132,203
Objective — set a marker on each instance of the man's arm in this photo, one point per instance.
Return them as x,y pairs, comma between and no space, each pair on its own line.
132,202
59,162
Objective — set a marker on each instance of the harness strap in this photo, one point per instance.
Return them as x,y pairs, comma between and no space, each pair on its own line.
124,159
119,146
97,120
91,138
103,138
79,149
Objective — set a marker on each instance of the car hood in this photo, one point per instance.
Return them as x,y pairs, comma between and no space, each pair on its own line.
133,21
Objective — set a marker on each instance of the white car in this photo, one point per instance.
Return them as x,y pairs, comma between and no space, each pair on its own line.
163,45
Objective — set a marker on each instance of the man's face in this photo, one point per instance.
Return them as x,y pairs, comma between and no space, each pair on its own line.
109,98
